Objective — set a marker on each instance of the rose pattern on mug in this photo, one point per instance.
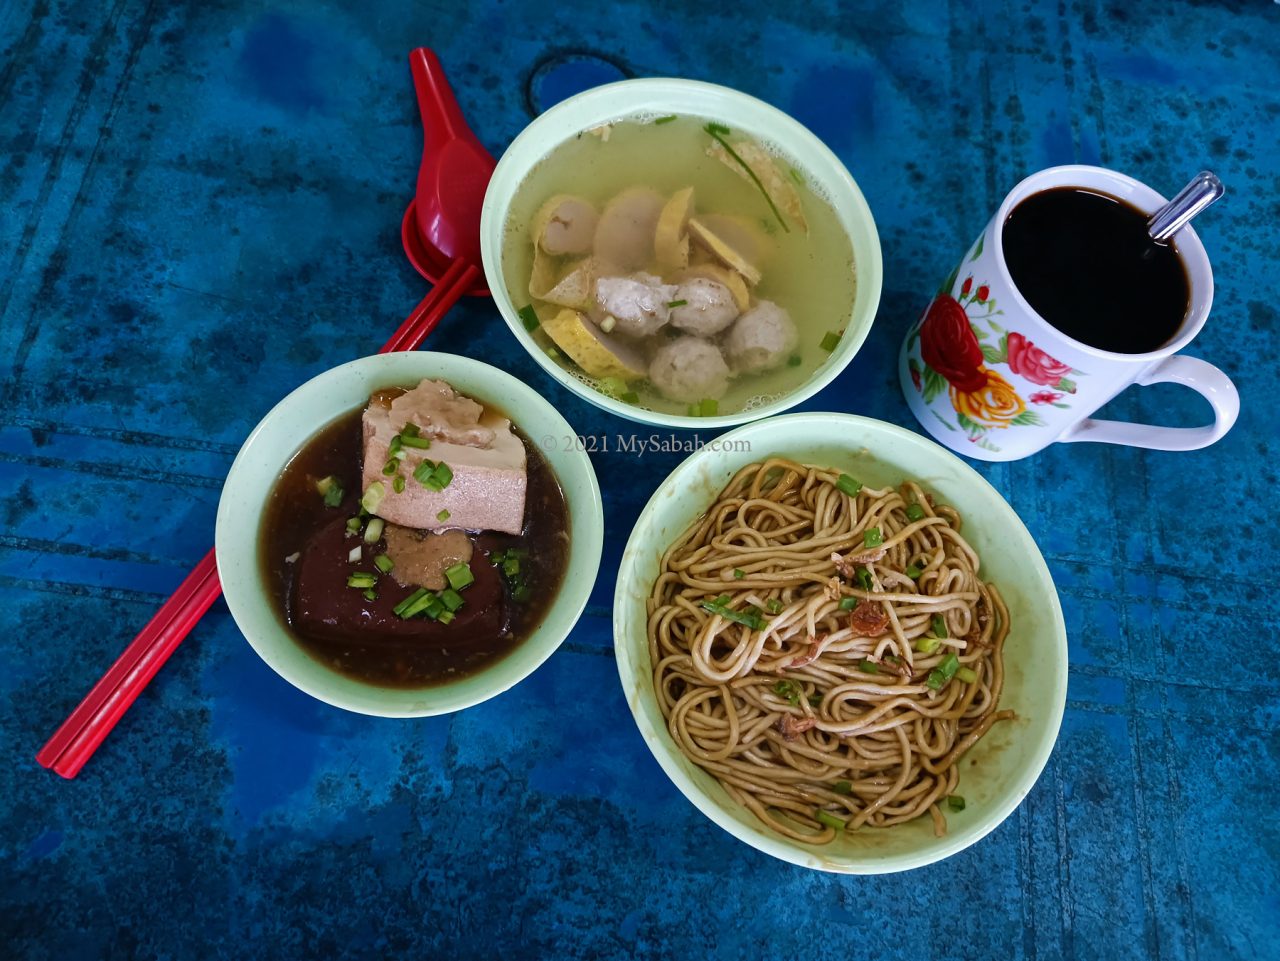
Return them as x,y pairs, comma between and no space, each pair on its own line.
990,378
951,347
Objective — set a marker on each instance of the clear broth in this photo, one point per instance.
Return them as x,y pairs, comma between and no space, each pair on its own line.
811,275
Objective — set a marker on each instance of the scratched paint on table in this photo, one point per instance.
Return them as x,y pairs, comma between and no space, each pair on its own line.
202,211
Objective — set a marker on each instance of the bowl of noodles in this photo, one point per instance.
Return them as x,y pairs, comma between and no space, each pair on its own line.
840,643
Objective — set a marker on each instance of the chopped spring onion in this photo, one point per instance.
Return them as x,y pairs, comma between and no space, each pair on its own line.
692,410
797,177
863,575
529,317
789,690
927,645
460,576
408,602
847,485
373,497
397,485
383,563
830,341
676,303
417,602
613,386
361,579
939,625
944,672
794,360
868,666
433,476
394,447
709,407
913,571
667,119
331,489
353,555
424,472
773,606
370,594
400,455
445,617
418,443
391,466
747,618
410,429
966,675
915,512
843,787
739,573
630,397
831,821
950,664
435,607
508,562
815,700
451,599
716,128
443,516
848,603
872,537
955,802
373,533
353,525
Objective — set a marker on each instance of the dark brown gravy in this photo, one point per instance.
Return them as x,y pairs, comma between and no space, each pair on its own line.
296,513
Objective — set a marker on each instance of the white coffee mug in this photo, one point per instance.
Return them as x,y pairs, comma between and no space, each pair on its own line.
1004,383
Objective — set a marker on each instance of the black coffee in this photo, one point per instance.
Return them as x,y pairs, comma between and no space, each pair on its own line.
1085,263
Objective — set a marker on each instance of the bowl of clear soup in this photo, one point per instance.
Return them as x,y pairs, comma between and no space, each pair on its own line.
680,254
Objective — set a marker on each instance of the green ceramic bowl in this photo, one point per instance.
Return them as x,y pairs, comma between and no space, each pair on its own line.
1001,769
657,97
300,416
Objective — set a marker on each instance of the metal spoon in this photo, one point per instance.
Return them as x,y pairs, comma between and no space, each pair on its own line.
1203,190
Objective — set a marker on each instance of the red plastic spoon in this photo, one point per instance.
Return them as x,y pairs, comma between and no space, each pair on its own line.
442,223
452,180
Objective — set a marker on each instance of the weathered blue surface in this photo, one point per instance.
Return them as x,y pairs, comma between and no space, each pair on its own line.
199,209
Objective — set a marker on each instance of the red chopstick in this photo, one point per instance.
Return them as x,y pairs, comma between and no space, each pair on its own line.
453,283
89,724
81,733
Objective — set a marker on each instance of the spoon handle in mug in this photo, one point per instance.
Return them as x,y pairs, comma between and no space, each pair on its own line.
1212,384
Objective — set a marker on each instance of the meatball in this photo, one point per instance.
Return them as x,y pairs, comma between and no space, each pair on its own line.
638,304
761,339
689,369
708,307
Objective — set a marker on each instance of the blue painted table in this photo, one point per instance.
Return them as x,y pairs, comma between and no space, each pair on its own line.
200,210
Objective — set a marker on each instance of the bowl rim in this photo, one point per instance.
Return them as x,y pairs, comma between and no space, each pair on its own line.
664,749
238,581
784,129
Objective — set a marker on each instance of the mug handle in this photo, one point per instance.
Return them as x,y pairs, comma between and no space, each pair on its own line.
1212,384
